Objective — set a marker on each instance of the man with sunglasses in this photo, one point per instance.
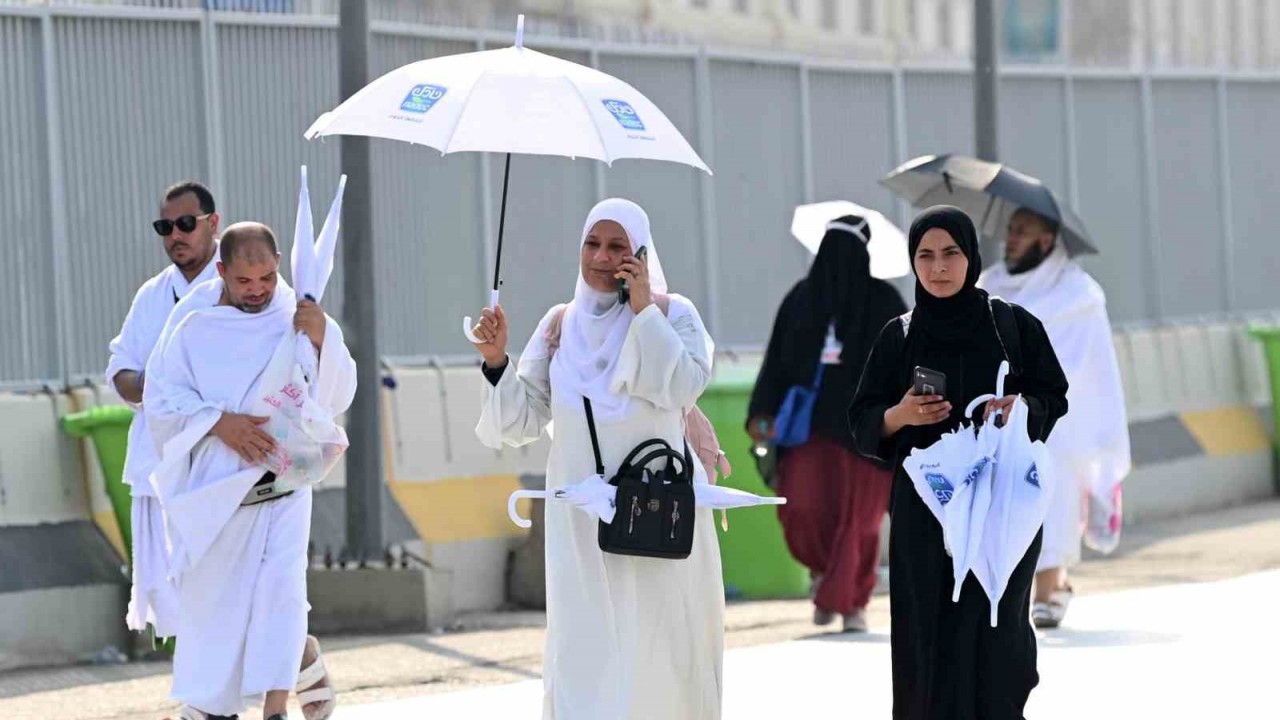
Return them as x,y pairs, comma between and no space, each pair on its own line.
188,226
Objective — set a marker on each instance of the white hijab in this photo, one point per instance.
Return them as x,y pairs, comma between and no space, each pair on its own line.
596,324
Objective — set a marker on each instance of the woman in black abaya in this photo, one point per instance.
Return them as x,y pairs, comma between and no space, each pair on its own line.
948,662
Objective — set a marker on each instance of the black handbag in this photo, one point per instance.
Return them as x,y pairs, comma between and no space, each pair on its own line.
653,510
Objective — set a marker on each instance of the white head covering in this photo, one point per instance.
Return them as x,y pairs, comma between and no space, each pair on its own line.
596,324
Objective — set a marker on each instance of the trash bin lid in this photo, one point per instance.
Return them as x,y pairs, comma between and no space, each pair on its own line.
83,423
1265,332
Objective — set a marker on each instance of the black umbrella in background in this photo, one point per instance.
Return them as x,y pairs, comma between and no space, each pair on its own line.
988,192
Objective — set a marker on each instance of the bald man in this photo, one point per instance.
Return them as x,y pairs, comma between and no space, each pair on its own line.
239,541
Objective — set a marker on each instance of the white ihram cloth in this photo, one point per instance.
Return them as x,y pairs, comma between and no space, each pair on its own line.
151,598
627,637
240,571
1091,443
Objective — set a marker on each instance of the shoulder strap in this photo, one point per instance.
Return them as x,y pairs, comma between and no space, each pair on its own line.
905,319
595,440
1007,332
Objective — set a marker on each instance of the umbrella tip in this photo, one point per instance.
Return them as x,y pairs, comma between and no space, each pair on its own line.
520,32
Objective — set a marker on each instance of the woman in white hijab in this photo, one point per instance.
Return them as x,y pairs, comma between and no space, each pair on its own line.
627,637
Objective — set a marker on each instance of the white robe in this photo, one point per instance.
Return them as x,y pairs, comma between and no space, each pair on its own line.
1091,443
152,599
240,571
627,637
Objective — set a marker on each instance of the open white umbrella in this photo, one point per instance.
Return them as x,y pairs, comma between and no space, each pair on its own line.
596,497
888,246
513,100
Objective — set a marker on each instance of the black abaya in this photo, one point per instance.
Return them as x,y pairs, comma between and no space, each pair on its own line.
948,663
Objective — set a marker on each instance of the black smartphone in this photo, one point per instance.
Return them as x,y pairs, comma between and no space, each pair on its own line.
624,292
929,382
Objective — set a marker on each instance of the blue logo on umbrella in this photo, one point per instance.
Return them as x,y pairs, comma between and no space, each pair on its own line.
1033,475
624,114
942,488
976,470
422,98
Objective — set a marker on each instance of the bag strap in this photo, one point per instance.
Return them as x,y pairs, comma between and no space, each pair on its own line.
1007,332
595,440
595,445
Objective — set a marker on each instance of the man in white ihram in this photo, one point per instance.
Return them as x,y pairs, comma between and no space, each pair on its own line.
1090,445
188,224
239,541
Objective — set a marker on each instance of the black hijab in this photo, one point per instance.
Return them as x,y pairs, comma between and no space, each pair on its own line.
954,320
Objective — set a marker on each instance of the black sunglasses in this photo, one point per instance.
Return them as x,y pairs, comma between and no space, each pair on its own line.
185,223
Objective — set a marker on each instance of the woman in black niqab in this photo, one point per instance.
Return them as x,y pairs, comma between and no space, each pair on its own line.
948,663
836,499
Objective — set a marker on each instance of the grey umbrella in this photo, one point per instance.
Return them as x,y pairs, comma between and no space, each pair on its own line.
988,192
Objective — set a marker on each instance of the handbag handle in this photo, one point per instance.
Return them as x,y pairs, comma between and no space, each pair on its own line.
670,455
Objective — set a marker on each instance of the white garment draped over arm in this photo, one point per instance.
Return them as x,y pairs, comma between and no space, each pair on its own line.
334,386
132,347
666,360
518,409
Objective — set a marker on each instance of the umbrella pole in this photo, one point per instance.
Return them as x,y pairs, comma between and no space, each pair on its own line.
467,323
502,225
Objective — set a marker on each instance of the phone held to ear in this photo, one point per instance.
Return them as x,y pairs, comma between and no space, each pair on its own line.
624,289
928,382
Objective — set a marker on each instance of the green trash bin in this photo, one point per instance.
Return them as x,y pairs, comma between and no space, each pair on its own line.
1270,337
108,426
757,563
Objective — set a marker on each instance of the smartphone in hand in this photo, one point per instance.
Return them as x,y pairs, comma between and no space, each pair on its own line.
624,290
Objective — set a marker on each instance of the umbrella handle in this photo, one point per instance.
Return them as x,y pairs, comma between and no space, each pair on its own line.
468,323
511,505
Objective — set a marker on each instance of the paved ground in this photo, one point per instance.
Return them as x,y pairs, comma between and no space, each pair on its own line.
1154,622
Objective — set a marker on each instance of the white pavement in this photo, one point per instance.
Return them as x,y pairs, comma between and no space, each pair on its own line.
1180,651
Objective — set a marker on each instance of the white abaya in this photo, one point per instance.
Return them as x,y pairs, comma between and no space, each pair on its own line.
627,637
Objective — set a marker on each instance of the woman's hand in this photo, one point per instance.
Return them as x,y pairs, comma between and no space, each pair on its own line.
1004,405
915,410
635,272
760,429
492,331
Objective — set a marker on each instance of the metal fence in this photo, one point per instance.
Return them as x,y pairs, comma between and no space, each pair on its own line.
103,107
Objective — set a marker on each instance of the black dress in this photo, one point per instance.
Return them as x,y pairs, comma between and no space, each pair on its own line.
948,662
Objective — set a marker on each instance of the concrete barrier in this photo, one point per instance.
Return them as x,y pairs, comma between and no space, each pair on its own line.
1197,397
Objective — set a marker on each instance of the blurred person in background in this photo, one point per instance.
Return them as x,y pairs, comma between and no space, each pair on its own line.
836,499
1090,444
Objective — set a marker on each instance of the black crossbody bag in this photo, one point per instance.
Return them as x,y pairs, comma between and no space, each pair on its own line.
654,510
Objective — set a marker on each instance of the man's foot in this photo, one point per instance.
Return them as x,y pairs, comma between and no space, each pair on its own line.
1049,615
822,618
315,693
856,621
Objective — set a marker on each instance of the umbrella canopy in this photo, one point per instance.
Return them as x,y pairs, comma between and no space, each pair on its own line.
888,246
1021,489
989,192
596,497
311,259
513,100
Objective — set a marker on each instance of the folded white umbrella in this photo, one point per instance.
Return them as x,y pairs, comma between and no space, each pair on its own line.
1021,489
596,497
513,100
311,259
888,246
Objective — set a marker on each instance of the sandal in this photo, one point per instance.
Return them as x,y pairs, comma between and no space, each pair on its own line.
1049,615
309,694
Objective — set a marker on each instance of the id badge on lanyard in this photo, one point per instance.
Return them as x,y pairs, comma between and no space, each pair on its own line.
832,348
